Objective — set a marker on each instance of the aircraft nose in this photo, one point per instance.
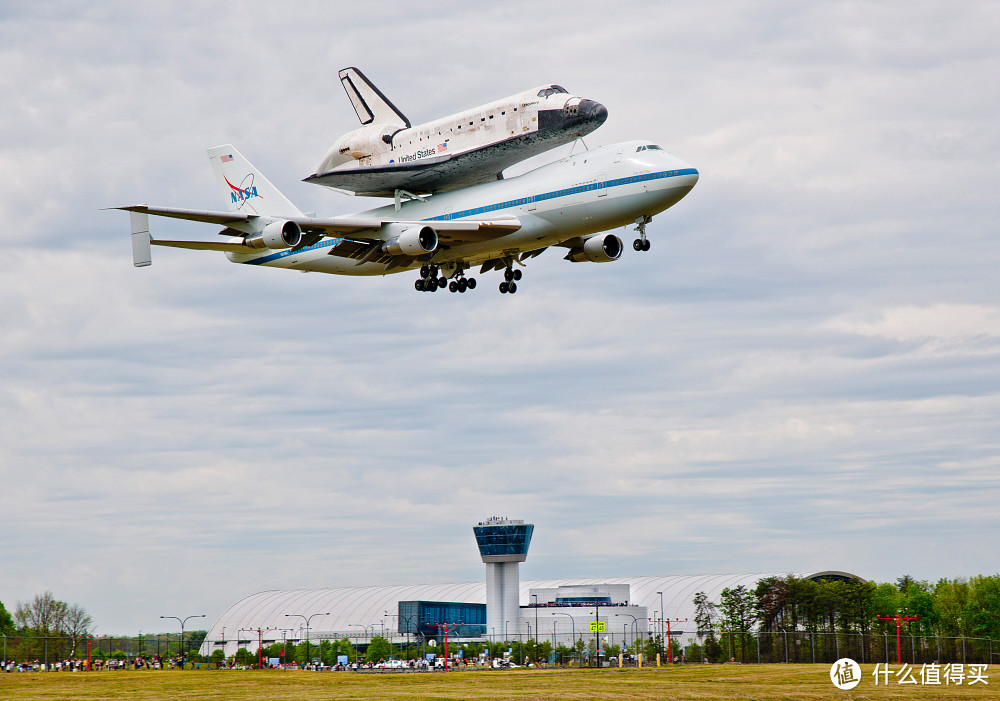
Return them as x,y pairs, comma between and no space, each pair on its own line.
593,110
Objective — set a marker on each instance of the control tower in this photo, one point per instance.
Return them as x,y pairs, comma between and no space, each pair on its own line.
502,544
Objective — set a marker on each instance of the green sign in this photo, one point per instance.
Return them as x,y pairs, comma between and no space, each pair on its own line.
597,627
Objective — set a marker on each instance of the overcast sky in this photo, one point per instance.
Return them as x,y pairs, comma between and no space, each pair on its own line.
802,374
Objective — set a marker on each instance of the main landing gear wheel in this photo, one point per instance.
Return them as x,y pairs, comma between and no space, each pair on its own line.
508,287
641,244
429,280
460,283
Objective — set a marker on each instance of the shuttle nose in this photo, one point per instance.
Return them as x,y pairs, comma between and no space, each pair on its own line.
593,111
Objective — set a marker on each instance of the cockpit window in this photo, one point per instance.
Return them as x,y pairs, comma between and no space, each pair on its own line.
552,90
650,147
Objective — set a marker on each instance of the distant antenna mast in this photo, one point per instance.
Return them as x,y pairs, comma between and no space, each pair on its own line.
899,618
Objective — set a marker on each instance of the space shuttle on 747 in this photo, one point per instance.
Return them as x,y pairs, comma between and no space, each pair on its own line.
388,155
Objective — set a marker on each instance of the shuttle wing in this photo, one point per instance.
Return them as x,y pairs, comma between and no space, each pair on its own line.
439,174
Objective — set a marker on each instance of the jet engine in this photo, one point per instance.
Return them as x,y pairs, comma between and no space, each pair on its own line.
597,249
277,234
410,240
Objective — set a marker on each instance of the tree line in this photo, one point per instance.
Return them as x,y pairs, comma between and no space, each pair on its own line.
949,608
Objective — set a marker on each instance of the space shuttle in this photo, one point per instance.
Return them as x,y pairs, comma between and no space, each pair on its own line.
388,156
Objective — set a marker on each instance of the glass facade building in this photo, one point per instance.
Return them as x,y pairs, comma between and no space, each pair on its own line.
420,617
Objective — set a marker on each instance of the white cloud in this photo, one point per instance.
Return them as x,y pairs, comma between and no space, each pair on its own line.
800,375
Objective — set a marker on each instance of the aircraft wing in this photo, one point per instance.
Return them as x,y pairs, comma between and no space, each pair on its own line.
363,230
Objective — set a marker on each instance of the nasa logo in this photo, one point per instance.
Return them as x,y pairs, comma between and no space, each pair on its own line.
247,190
244,194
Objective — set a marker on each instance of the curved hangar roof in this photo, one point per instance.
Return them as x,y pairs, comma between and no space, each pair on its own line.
352,608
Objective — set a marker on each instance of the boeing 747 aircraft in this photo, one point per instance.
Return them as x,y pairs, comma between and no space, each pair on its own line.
388,154
496,225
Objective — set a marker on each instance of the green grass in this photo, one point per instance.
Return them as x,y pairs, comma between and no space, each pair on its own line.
677,683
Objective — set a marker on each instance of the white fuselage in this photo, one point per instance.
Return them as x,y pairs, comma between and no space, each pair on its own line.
581,194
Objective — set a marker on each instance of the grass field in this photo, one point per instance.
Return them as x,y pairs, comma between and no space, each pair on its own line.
685,682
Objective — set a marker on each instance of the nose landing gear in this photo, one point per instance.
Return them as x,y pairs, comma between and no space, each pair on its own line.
641,243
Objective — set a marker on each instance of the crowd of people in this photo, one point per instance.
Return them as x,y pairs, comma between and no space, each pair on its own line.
76,664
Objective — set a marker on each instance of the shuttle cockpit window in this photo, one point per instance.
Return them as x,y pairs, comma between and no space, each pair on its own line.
552,90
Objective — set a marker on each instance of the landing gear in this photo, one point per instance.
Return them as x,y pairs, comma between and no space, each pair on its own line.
641,243
429,280
509,276
459,283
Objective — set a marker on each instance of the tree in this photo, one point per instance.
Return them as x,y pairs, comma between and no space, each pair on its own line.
6,621
77,623
704,613
985,609
43,614
378,649
739,614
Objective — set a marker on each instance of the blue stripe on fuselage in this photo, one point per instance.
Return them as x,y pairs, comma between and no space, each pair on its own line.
519,202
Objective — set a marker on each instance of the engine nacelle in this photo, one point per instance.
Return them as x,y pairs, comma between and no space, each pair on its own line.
410,240
597,249
277,234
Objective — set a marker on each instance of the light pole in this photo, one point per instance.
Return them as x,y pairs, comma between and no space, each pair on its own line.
185,620
394,615
409,622
571,620
522,644
635,623
535,597
284,641
360,625
307,620
663,614
597,631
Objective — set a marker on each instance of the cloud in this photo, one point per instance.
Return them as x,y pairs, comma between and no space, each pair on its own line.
800,375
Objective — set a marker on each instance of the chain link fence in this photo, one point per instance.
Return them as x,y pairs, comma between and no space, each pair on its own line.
566,649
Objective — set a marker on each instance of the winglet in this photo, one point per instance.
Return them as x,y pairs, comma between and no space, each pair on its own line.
141,254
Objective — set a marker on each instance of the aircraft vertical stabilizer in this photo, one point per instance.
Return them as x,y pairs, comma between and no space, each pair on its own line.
371,105
246,190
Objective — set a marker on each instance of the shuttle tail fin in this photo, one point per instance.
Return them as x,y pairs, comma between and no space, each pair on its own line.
371,105
246,190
